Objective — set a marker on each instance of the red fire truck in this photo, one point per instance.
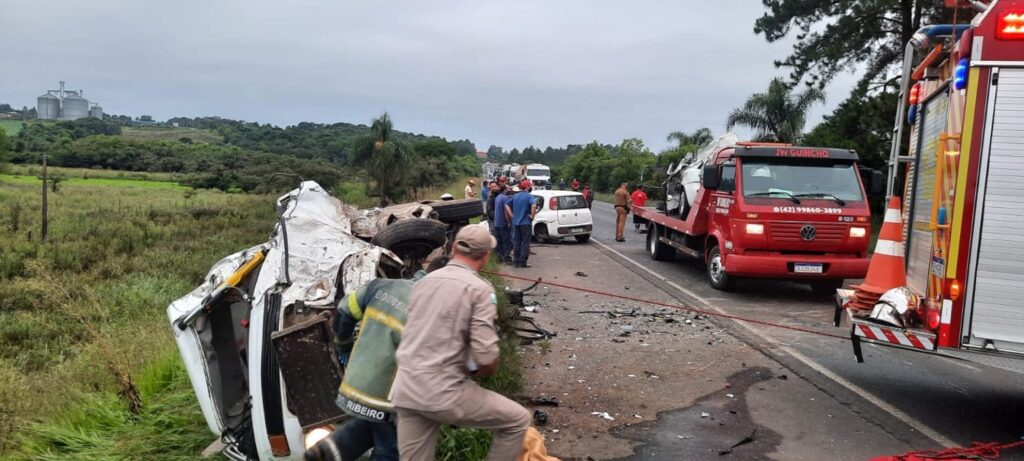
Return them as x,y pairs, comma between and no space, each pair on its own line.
963,175
771,211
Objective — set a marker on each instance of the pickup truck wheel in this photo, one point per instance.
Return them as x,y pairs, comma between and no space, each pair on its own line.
720,280
412,238
659,250
826,287
453,211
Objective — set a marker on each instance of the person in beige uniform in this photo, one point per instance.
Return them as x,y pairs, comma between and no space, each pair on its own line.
470,192
622,202
448,336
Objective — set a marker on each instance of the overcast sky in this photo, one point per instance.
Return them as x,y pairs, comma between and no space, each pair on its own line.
511,73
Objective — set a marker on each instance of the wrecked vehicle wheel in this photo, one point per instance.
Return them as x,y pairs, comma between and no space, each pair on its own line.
412,238
453,211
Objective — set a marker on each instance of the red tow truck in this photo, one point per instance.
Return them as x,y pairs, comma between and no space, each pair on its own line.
770,211
962,98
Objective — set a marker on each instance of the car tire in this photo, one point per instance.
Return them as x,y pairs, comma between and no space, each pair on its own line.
540,234
583,238
412,238
453,211
658,250
826,287
719,279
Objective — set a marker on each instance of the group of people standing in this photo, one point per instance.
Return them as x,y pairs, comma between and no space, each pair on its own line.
510,216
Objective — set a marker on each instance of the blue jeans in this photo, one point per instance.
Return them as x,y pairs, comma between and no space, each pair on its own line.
503,234
357,436
521,243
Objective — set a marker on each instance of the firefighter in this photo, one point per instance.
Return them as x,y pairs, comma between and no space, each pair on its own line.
621,210
451,334
639,198
365,391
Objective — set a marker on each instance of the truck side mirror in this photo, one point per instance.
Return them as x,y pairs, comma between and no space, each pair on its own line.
711,177
877,183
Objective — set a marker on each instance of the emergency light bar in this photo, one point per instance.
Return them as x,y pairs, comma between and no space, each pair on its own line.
1010,25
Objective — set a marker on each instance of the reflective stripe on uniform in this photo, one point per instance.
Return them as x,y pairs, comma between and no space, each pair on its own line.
372,313
353,306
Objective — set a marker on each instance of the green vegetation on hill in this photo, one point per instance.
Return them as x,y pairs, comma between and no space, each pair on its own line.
170,133
11,127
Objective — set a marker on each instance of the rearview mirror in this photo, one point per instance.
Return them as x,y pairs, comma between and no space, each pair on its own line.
711,177
877,183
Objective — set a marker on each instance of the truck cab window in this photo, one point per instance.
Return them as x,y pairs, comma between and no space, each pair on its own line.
728,179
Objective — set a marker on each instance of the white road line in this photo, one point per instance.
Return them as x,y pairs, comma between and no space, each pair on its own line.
873,399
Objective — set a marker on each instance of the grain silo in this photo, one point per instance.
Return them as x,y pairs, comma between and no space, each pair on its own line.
48,107
96,111
75,106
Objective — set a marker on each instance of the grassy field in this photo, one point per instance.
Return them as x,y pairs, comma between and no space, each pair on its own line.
82,315
88,367
161,133
10,127
36,171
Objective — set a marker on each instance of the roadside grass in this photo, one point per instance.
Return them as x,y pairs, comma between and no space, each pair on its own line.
36,171
168,133
97,182
85,311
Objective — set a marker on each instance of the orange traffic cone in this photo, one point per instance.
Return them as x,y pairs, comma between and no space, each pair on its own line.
887,269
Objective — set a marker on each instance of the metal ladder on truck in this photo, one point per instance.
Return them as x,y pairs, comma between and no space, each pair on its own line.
895,159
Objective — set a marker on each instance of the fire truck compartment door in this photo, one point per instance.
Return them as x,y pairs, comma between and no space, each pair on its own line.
995,311
919,236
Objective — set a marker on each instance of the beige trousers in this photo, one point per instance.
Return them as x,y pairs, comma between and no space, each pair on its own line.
620,221
477,408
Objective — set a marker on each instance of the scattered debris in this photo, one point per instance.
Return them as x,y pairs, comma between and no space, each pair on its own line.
638,416
617,340
581,274
731,396
783,377
689,322
540,418
604,414
743,441
546,401
531,308
705,414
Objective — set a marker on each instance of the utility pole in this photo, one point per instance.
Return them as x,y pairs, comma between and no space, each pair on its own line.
45,181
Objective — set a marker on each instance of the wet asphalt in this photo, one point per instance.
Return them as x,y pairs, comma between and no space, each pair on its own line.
921,399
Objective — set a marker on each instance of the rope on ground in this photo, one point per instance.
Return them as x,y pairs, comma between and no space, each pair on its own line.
977,450
673,306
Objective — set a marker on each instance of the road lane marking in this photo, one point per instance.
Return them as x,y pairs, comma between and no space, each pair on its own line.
864,394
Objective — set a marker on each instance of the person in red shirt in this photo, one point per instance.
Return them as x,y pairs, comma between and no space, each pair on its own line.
575,185
639,198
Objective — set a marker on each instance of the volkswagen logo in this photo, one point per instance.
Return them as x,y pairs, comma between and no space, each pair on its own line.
807,232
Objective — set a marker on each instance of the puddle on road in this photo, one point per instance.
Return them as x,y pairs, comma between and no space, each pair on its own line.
684,434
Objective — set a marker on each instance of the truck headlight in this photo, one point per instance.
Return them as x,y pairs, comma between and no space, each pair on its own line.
857,232
755,229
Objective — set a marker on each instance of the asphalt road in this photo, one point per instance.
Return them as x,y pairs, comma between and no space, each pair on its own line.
927,400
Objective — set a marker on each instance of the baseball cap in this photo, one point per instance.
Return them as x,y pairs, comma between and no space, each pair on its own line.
526,184
475,239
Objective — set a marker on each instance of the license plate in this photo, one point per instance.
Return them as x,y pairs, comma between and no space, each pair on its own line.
807,268
576,231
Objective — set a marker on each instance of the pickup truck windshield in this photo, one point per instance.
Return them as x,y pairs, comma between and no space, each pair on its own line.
836,182
538,172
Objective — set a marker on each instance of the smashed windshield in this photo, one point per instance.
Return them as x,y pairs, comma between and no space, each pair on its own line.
837,182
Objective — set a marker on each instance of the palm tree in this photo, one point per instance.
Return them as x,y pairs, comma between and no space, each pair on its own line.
699,137
778,115
385,159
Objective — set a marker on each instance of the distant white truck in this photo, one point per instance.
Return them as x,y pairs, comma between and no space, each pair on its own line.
539,175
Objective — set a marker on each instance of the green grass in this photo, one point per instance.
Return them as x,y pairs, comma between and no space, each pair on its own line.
84,312
91,173
11,127
94,182
166,133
